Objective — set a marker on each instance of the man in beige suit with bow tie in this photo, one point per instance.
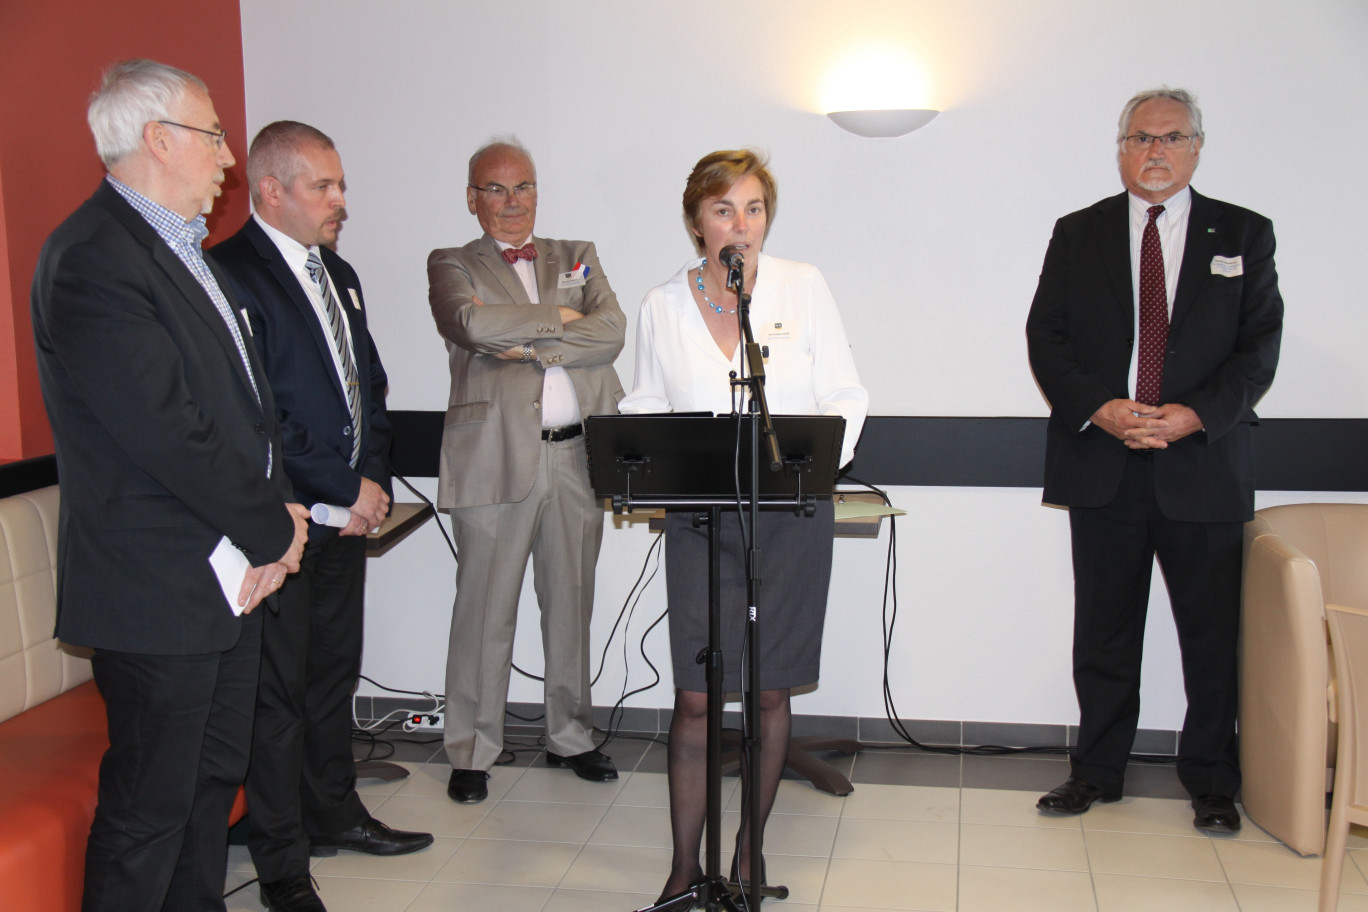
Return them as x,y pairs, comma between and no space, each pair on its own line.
532,328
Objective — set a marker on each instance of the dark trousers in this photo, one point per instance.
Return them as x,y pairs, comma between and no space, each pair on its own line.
302,780
179,729
1113,554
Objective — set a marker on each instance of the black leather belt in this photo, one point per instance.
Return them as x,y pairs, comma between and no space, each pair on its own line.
556,435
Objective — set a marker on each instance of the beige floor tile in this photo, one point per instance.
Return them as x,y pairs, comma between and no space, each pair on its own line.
792,834
891,884
446,897
618,869
564,900
1156,816
239,859
540,821
1024,890
1023,847
1252,832
438,816
1184,857
1125,893
429,780
1003,807
897,840
1275,865
420,865
561,785
351,894
1358,836
903,802
653,790
633,826
794,797
1254,898
804,875
518,864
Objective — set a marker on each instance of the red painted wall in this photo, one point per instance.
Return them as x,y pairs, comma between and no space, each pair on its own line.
52,54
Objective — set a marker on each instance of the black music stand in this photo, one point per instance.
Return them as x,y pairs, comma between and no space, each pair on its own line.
692,464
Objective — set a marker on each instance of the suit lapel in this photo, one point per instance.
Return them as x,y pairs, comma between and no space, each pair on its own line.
502,273
289,283
179,274
1113,233
547,269
1204,231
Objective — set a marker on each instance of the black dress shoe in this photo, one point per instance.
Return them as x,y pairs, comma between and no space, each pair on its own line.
1216,815
1073,797
371,837
291,894
592,765
468,786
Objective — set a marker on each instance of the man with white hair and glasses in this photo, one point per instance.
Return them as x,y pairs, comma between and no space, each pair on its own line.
1154,330
175,515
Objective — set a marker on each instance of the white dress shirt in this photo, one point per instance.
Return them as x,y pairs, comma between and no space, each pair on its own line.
809,370
560,405
297,257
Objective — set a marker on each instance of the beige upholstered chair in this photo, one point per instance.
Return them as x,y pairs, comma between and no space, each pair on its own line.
1349,642
1297,558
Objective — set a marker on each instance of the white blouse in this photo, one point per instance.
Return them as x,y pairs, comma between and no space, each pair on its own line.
809,370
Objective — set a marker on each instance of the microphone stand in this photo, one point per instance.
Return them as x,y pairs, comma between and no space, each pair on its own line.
753,378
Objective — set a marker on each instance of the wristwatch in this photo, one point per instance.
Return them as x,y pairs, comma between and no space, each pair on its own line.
528,353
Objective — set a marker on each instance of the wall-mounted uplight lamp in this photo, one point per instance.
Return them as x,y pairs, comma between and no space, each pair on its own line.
874,92
882,122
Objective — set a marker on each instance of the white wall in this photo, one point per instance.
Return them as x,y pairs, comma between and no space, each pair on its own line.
931,242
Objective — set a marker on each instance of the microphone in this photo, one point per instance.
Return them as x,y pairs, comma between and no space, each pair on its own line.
730,257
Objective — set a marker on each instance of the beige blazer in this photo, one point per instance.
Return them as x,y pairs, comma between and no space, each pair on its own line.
491,441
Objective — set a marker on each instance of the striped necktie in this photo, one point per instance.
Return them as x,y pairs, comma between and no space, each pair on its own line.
339,339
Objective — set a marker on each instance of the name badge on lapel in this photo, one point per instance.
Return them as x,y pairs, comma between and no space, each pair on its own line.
574,278
1227,266
356,299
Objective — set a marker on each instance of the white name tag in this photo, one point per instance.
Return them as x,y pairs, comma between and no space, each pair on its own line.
1227,266
571,280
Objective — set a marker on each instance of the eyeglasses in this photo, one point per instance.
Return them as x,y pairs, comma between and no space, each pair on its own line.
1138,141
219,135
500,192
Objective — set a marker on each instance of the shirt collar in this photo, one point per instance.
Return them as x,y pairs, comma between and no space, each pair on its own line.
295,253
1175,207
172,227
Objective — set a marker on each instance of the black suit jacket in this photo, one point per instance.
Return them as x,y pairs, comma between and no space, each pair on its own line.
310,402
1224,334
162,447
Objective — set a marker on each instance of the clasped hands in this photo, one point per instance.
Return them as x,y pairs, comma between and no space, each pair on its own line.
1146,427
262,581
567,315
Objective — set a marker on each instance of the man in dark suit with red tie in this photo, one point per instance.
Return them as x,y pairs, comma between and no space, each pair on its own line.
168,452
308,320
1154,330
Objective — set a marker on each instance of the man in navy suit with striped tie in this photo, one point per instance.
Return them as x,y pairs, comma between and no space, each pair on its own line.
308,321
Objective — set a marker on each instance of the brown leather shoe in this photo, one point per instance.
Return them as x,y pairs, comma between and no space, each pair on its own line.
1073,797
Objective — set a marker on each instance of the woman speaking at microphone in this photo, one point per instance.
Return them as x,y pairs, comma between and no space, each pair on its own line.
688,340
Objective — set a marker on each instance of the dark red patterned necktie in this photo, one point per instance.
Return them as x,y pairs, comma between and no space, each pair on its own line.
526,252
1154,318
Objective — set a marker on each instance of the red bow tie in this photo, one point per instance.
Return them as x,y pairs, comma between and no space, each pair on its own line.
526,252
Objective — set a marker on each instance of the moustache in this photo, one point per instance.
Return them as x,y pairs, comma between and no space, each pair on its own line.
1158,163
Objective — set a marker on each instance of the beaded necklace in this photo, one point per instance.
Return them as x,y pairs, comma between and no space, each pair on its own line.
706,299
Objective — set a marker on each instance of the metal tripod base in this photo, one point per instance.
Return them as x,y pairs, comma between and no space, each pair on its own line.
716,888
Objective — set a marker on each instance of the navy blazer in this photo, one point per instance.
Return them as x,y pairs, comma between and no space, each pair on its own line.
162,446
297,354
1224,335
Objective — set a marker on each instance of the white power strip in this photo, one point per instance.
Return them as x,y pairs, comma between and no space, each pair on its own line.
421,721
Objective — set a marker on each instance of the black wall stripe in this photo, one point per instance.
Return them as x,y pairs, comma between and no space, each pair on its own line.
1293,454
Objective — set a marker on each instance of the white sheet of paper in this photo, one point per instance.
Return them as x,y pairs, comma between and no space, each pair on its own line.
230,566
